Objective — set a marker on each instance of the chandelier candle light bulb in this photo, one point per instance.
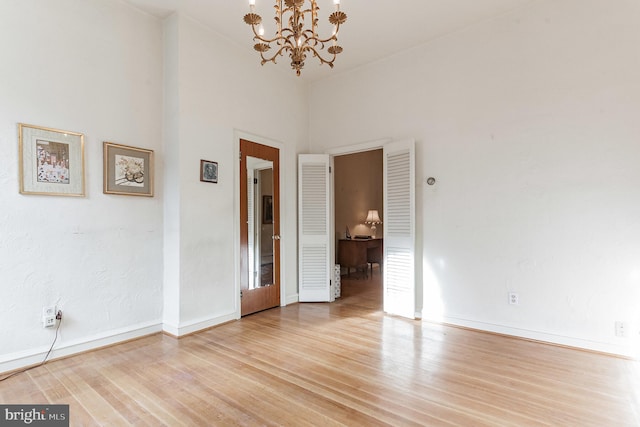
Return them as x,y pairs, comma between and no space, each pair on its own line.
292,36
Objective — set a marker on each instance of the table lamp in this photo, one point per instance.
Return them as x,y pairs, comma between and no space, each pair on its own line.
373,218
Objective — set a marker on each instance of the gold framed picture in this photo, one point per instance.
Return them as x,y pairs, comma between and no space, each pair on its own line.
51,161
127,170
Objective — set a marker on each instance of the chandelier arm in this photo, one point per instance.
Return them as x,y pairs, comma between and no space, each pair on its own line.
258,37
310,34
275,55
323,41
289,31
322,60
315,43
317,40
333,37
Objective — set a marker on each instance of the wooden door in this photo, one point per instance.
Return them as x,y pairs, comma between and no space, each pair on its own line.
259,214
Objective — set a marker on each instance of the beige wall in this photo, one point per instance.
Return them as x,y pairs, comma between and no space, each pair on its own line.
358,188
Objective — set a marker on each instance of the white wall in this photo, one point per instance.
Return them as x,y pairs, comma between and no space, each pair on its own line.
90,66
222,90
119,266
529,123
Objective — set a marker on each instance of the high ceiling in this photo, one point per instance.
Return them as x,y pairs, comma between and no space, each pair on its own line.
374,29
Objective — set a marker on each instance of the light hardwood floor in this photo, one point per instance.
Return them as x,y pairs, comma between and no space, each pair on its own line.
336,364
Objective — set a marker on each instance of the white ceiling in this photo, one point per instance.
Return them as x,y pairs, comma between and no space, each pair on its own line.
374,29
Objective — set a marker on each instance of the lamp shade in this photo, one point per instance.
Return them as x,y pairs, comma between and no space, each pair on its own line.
373,217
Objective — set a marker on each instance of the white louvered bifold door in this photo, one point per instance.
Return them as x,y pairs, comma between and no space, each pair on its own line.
399,228
314,232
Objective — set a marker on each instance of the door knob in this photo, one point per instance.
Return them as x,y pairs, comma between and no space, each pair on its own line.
276,237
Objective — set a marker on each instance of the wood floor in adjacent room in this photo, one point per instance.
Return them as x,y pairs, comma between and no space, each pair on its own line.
335,364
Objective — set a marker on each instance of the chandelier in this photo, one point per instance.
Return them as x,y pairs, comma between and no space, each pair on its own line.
291,35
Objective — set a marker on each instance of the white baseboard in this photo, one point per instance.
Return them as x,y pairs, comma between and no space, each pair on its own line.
13,361
292,299
196,325
566,341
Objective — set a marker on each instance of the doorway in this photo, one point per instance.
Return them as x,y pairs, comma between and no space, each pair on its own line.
259,227
358,189
315,226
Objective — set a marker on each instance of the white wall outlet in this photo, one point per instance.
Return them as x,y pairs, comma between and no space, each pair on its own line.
621,328
49,321
514,298
49,316
49,310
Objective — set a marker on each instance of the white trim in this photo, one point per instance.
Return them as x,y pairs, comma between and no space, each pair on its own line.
283,231
237,136
292,299
198,324
361,147
563,340
12,361
332,228
358,148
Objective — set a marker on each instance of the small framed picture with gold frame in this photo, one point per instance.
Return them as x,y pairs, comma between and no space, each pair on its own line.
127,170
51,161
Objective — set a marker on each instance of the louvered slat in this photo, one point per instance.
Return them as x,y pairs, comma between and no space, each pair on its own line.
314,265
399,263
314,196
314,235
398,221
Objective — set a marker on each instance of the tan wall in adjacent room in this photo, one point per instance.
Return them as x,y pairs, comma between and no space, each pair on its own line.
358,188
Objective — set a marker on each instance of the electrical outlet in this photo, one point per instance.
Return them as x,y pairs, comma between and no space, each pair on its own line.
49,316
49,310
48,321
514,299
621,328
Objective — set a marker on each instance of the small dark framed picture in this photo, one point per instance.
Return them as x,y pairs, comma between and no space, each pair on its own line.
208,171
267,209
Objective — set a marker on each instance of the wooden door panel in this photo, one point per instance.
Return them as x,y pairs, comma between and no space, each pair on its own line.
262,297
259,299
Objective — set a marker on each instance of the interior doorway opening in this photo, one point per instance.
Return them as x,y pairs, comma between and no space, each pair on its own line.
316,227
358,189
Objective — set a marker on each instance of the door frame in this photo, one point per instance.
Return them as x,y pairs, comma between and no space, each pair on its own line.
237,136
378,144
342,151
